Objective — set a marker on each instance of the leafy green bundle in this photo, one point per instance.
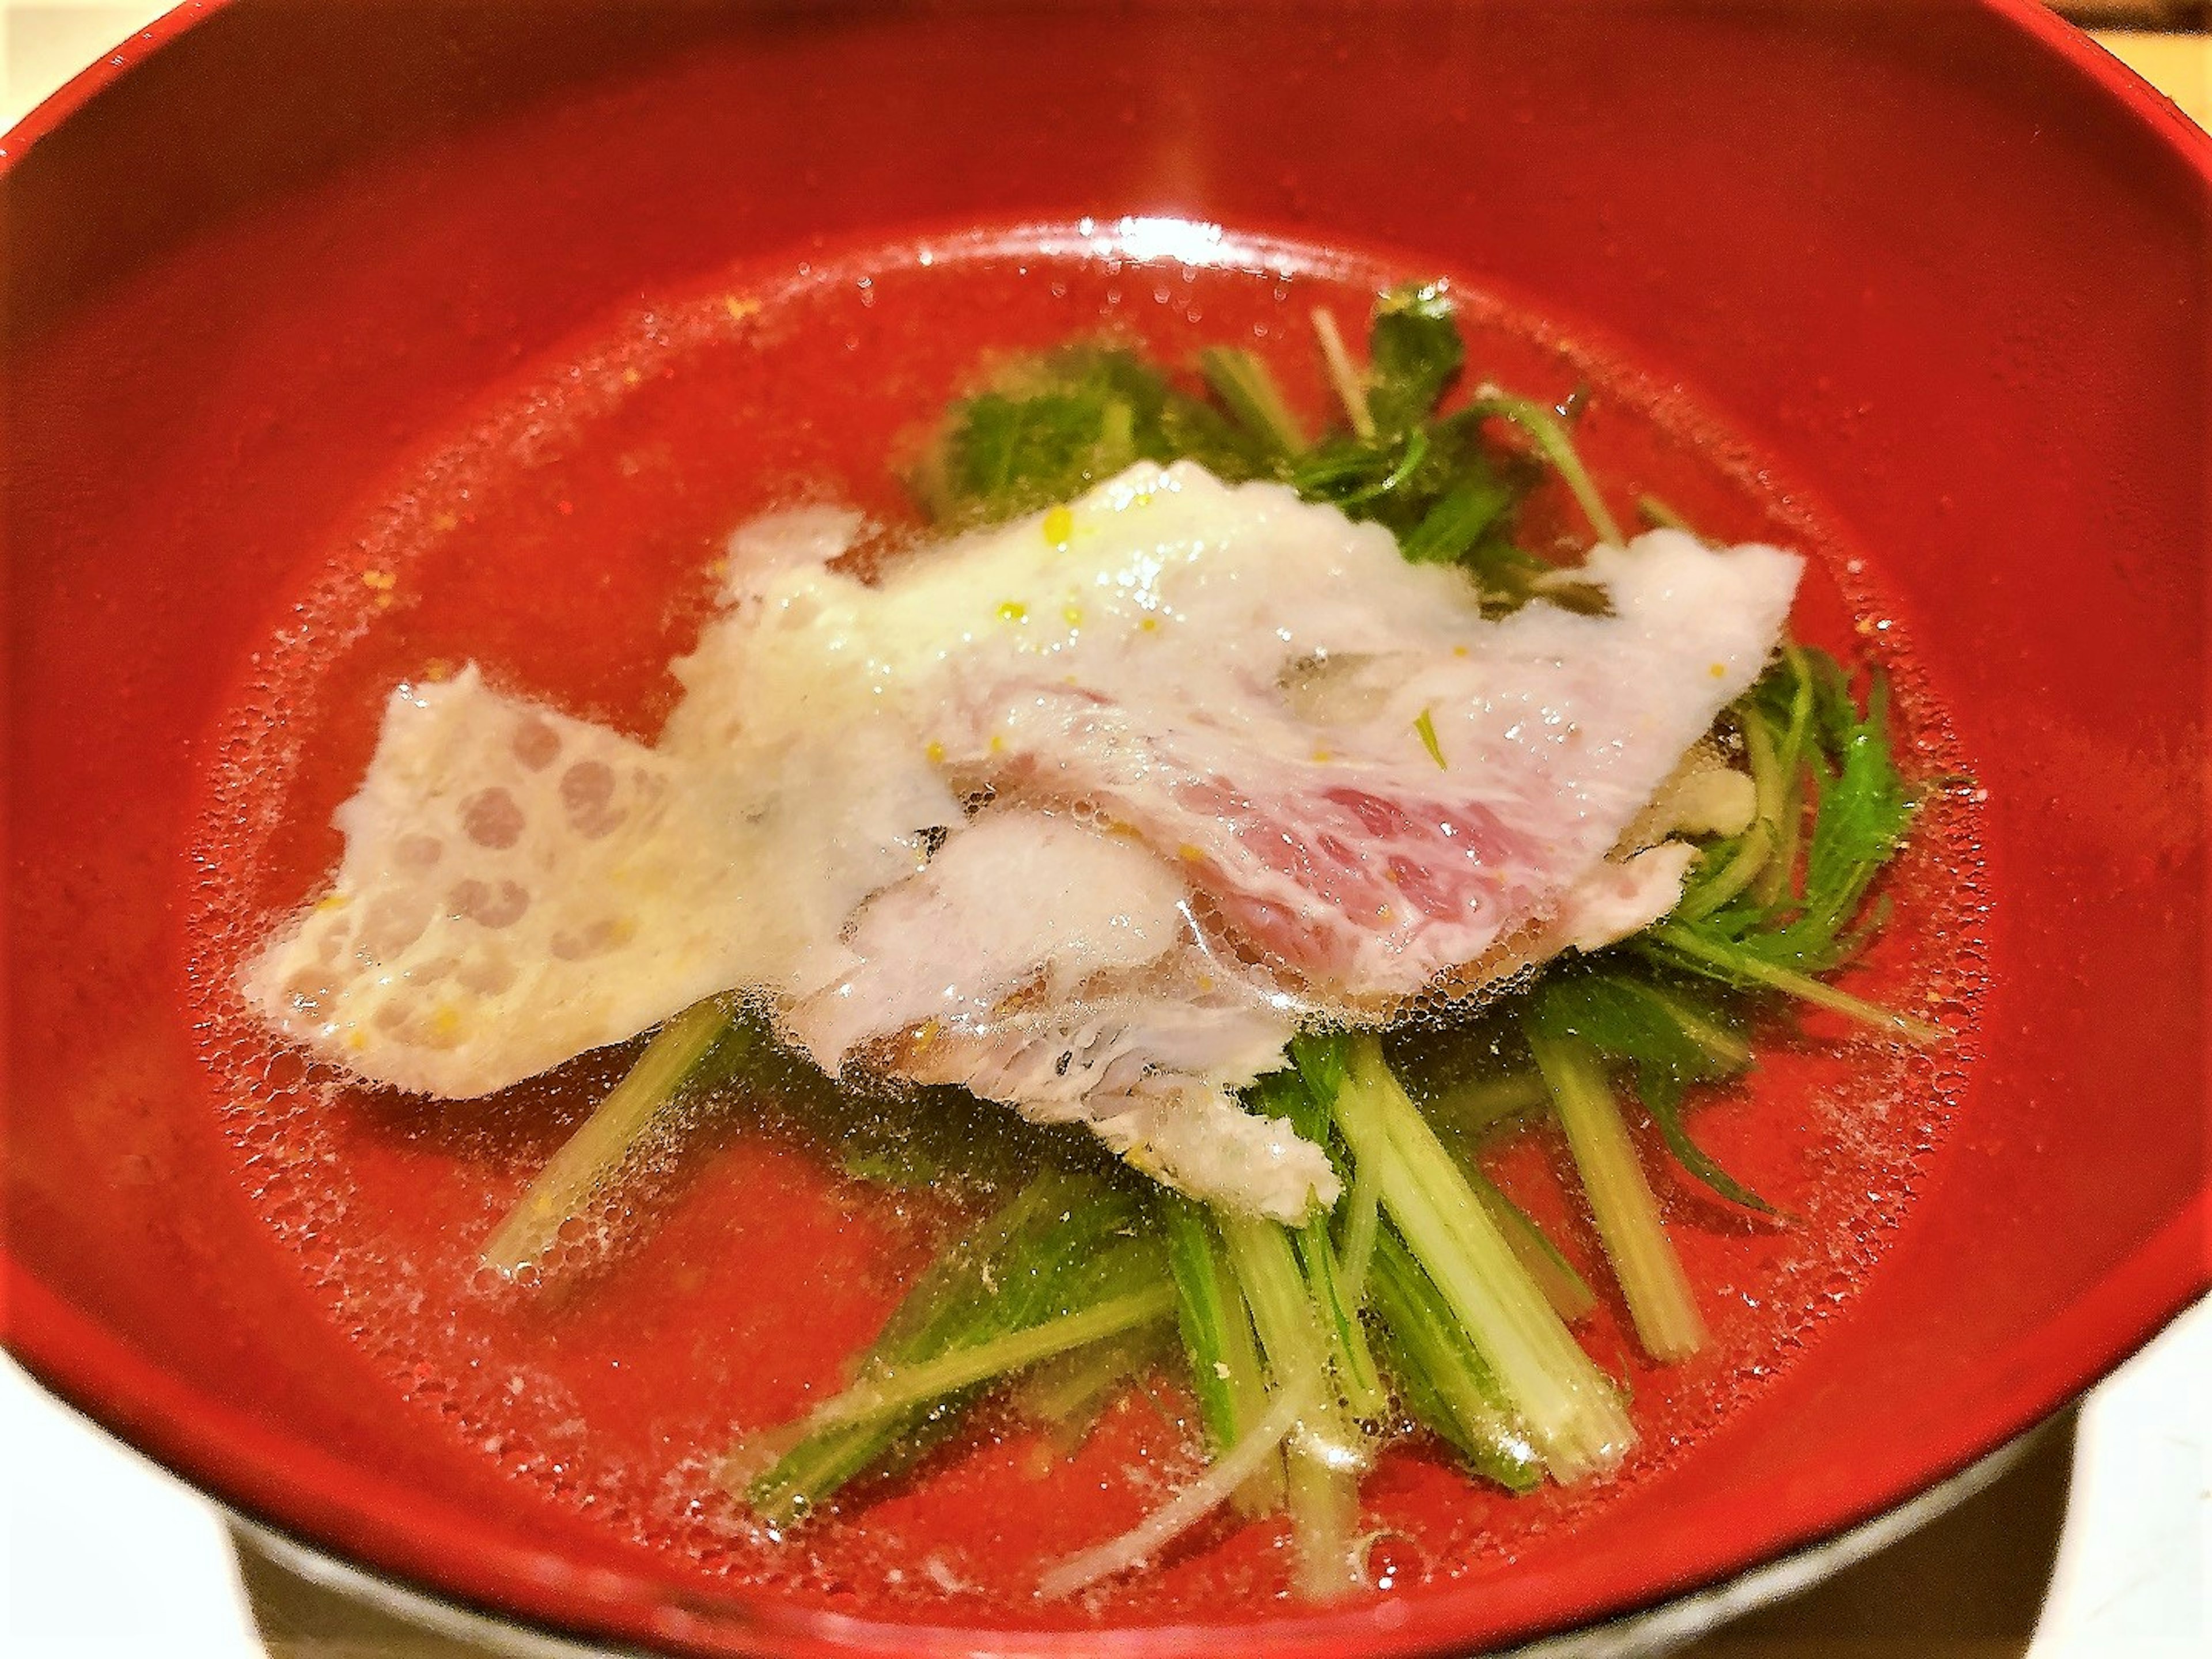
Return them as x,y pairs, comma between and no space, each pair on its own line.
1050,427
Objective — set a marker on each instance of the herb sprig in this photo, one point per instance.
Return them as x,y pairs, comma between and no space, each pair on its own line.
1048,427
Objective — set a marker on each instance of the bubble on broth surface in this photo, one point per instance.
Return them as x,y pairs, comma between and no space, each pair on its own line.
663,1321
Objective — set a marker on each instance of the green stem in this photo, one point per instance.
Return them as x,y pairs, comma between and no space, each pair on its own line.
1627,1216
1342,374
1064,1396
894,1389
1470,1108
1771,885
1062,1241
1788,814
1550,436
1657,511
1290,1329
1570,1295
1751,855
1217,1336
1718,1044
1363,1214
1804,988
1792,755
1756,849
1324,1505
1324,1460
1450,529
593,1155
1249,392
1338,1311
816,1466
1416,452
1442,1380
1572,1413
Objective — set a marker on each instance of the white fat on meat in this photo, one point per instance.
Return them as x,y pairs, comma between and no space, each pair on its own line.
790,538
1244,680
957,823
1153,1070
517,887
1018,902
1039,962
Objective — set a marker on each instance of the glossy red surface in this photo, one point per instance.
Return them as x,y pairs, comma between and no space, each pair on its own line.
1945,277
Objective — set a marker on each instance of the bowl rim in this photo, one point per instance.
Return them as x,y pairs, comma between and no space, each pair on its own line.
2159,113
356,1526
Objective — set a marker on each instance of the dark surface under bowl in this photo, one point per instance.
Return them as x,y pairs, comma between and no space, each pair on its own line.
1934,258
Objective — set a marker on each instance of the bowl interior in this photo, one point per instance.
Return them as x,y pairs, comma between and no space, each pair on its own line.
1948,289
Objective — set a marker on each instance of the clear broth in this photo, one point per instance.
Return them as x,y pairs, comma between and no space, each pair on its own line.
562,536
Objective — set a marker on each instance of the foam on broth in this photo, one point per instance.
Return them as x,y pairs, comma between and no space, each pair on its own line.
563,537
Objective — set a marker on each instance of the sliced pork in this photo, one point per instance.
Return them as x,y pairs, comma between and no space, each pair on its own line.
1086,812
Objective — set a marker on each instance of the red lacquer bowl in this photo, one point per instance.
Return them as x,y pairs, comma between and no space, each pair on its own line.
1944,271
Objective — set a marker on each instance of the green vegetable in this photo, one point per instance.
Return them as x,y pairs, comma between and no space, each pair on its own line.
1766,912
1336,1304
1068,1261
1739,964
1323,1499
893,1388
1253,399
1056,424
1414,353
1440,1379
1066,1395
1563,1287
1805,733
595,1154
1219,1341
1660,516
1424,728
1453,531
1669,1040
1644,1259
1429,1284
1549,433
1335,1298
1050,427
1290,1327
1323,1462
1482,1103
1362,1218
1571,1412
1344,376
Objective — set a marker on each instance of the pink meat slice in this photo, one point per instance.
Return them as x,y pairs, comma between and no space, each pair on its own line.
1329,835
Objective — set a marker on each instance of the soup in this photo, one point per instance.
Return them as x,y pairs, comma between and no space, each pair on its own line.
566,542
